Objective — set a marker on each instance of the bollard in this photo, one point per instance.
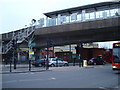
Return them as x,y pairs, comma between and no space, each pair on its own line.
84,63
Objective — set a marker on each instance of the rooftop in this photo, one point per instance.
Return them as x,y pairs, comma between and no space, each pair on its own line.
69,10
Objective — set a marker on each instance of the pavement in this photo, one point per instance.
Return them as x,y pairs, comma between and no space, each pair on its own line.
23,68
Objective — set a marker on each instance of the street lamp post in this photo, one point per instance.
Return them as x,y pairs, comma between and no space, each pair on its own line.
47,65
29,44
29,55
49,44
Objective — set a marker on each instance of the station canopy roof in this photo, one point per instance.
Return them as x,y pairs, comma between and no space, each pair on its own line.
69,10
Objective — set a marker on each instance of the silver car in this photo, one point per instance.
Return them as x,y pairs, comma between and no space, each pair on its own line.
57,62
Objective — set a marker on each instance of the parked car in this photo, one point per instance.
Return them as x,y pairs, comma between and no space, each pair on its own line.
57,62
92,61
33,62
96,61
40,62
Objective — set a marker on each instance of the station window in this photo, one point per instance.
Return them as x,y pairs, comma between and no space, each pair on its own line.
79,17
87,16
113,11
98,14
92,15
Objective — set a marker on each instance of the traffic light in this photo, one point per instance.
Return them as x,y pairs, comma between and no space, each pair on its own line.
81,45
50,43
77,49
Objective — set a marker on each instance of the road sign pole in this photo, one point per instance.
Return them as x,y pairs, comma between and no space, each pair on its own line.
14,59
10,65
29,55
47,65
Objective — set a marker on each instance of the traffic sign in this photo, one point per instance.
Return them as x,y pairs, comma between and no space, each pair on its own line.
32,45
31,53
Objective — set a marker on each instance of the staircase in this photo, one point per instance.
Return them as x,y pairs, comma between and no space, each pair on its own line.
20,37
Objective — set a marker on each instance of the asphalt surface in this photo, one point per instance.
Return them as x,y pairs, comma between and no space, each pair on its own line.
99,76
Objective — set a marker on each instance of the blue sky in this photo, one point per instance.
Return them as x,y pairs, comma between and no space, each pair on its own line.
15,14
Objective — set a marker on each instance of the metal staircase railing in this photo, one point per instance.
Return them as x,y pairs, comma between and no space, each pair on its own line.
20,37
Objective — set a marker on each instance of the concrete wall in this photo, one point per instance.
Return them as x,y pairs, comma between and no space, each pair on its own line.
90,31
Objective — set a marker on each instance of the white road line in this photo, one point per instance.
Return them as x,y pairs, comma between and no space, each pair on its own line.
13,81
30,80
101,87
52,78
27,80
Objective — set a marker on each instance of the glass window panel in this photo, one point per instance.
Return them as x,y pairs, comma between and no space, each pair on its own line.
97,14
79,17
101,14
113,12
107,13
87,16
74,17
92,16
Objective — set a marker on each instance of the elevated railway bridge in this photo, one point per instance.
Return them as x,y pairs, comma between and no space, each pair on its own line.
90,23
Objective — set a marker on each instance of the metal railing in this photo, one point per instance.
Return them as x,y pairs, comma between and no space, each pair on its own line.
78,17
20,37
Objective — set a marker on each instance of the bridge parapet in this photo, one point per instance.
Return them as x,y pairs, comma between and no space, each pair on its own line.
78,26
81,14
91,12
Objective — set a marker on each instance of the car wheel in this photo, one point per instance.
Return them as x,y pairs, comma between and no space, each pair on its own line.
36,65
52,65
66,64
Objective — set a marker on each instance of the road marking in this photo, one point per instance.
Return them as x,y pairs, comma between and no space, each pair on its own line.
27,80
104,88
30,80
117,86
10,81
52,78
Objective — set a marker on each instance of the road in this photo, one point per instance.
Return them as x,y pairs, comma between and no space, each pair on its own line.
99,76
